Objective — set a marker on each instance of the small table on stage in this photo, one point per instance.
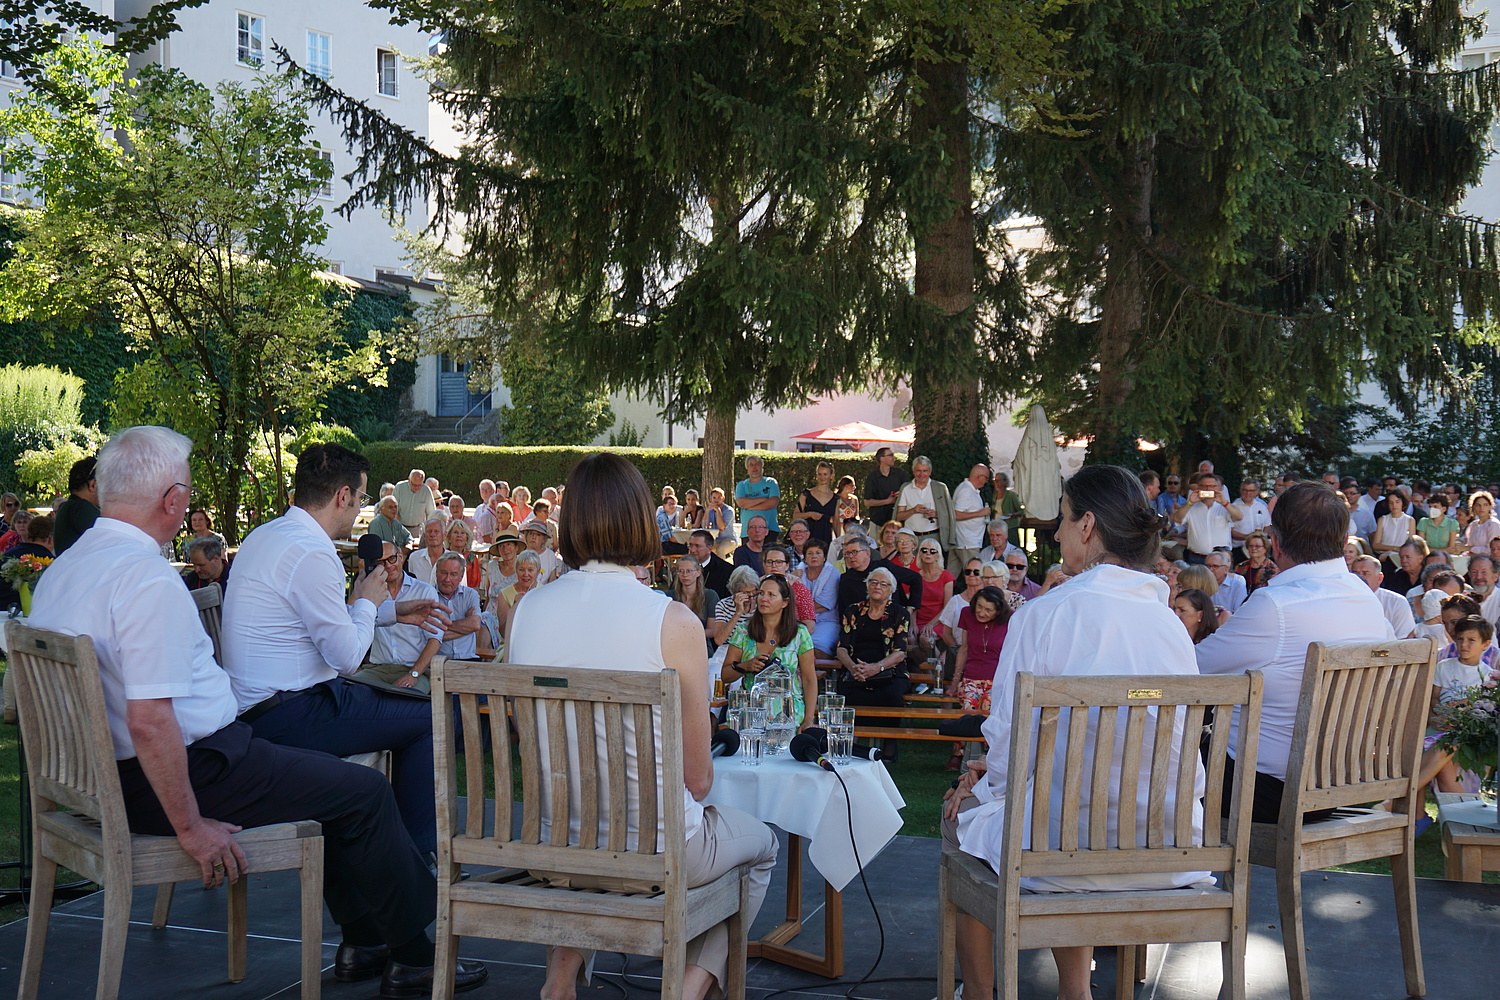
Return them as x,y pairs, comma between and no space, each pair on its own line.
808,803
1471,839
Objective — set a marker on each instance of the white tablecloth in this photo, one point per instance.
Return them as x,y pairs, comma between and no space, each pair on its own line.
4,637
804,799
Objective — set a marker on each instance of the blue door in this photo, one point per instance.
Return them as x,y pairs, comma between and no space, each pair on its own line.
454,397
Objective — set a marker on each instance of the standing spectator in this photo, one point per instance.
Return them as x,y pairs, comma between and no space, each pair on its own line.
758,494
415,501
1372,498
1151,483
484,514
1008,503
1361,521
720,519
1257,569
1207,519
1254,515
882,485
1170,498
386,524
969,515
937,590
846,516
10,506
1395,528
206,555
78,513
924,504
422,563
818,504
749,552
1484,526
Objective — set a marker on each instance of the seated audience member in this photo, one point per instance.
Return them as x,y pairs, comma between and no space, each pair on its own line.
947,619
292,637
15,534
500,570
999,548
38,543
484,514
1484,525
982,628
537,535
860,562
209,564
937,589
874,636
720,519
10,506
200,524
1472,638
422,562
1437,528
1196,611
505,519
1397,609
887,536
400,654
773,633
465,637
458,537
797,536
1020,584
520,504
905,555
737,605
716,569
187,767
1313,599
528,578
1395,528
1355,547
1481,581
777,561
1111,619
1455,609
386,524
1441,585
688,589
1407,574
693,513
456,511
77,513
1232,591
668,520
1361,521
822,582
1201,578
1257,567
748,553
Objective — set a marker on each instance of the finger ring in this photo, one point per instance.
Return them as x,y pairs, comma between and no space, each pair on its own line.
218,866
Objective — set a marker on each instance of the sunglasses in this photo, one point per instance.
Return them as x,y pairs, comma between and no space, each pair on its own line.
971,572
1020,566
931,552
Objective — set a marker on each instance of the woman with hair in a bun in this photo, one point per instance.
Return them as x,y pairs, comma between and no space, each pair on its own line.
1110,617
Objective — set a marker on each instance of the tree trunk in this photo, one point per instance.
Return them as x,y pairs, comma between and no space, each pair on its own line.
945,398
1122,305
718,454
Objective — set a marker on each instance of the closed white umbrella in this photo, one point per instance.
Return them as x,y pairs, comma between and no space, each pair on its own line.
1038,472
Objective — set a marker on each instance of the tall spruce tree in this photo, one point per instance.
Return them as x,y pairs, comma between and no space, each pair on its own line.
1255,203
723,205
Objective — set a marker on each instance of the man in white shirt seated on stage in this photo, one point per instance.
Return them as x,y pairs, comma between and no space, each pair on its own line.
400,653
187,767
1397,609
291,639
1313,599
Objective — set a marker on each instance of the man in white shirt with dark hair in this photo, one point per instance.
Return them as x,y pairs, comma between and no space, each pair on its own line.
291,639
1207,516
1254,514
1313,599
187,767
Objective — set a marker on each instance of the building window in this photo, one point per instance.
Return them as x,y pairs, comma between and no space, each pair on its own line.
1474,60
325,190
762,446
7,71
334,267
249,45
385,72
320,54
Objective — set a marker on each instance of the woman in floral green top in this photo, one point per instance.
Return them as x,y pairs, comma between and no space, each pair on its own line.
773,631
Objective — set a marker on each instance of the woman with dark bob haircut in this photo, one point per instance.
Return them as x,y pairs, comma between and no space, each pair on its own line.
608,526
1110,617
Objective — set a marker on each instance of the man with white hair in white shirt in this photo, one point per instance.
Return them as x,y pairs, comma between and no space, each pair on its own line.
1313,599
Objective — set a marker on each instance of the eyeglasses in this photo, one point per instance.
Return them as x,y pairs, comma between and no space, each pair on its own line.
394,560
192,493
879,583
1174,482
971,572
11,503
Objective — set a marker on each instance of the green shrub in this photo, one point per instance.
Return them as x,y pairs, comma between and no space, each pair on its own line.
460,467
323,434
39,397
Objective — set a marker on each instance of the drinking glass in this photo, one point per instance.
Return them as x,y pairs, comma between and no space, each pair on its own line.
752,746
825,702
840,734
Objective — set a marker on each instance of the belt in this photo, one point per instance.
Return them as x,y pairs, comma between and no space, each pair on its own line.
275,701
925,534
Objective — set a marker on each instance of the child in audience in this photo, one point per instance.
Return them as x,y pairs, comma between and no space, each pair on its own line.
1472,635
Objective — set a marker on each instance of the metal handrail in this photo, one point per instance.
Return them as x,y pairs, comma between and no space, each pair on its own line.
458,427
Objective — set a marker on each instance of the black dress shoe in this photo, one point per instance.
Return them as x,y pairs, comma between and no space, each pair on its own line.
353,962
416,980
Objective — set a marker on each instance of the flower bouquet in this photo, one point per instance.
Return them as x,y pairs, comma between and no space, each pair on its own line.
22,573
1471,729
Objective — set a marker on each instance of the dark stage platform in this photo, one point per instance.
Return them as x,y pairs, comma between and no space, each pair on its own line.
1351,934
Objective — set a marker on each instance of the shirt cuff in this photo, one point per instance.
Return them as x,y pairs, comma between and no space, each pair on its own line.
363,608
982,790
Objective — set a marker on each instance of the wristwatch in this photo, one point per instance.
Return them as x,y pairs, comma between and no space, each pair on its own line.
416,673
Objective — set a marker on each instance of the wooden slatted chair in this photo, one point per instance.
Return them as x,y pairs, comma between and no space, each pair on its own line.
1357,740
78,818
210,602
650,910
1124,918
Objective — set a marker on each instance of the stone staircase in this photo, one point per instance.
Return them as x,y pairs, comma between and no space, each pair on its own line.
438,429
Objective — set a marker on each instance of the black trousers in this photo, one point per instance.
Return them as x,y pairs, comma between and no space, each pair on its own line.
371,868
1266,803
342,718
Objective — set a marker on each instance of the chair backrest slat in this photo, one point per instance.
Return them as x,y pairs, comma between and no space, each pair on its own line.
65,729
1357,737
1078,731
210,601
1155,836
579,736
499,722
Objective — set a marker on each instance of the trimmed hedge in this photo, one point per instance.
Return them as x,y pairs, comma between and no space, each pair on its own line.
460,467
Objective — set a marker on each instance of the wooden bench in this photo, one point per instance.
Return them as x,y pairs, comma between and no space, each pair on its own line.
908,733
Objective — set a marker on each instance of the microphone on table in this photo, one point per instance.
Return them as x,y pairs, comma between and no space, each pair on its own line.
807,747
370,550
860,751
725,743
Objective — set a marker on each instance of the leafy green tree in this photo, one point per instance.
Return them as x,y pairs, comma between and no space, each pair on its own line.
191,212
1252,202
553,404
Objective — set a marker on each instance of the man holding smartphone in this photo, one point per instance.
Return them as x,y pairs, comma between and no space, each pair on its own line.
1206,516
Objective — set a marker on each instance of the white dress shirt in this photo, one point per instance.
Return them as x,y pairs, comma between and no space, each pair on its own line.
286,623
1254,516
1207,527
399,642
1310,602
968,533
912,496
1108,620
1397,611
113,584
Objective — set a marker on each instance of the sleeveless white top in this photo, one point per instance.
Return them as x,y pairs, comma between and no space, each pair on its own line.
599,617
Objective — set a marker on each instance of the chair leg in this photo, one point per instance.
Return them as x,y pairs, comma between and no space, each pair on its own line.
947,936
734,987
163,911
1126,971
1404,880
1234,966
311,877
1289,901
445,967
238,929
44,876
673,962
115,927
